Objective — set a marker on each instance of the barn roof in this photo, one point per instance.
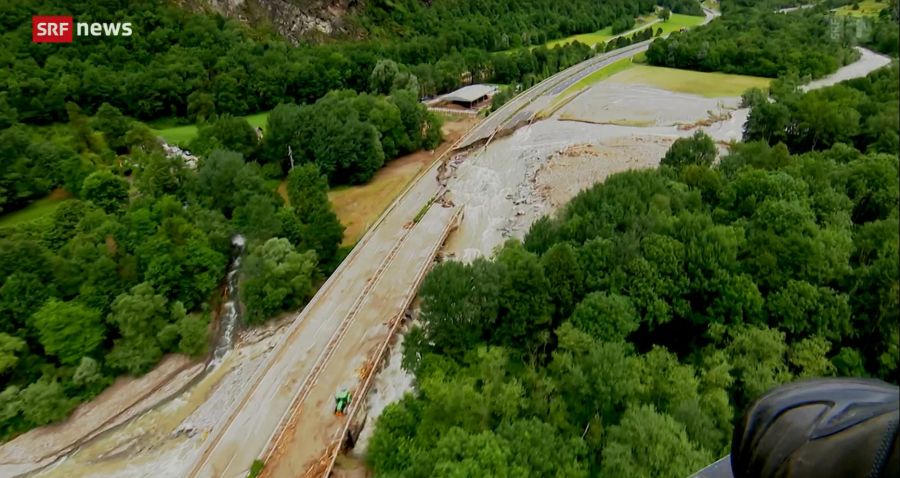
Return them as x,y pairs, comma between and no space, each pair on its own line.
468,94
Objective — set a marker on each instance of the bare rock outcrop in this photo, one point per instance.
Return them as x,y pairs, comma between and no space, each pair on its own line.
295,20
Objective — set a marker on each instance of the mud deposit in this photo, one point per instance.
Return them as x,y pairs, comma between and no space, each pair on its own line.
388,386
514,180
638,105
163,441
579,167
508,185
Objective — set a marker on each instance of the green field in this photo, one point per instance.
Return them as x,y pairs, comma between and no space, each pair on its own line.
867,8
674,23
678,21
36,210
711,85
601,36
182,135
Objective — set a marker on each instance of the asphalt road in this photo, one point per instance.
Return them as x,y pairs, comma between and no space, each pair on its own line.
331,333
516,109
310,440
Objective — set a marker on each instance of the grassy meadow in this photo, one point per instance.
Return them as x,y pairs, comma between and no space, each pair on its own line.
710,85
183,134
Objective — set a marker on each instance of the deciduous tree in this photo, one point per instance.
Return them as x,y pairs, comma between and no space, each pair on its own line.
68,330
44,402
459,304
276,278
606,317
698,149
106,190
647,443
10,348
321,230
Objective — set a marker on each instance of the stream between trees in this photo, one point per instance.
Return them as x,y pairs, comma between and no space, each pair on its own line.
230,315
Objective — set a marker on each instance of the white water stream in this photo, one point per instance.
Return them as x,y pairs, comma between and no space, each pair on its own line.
231,310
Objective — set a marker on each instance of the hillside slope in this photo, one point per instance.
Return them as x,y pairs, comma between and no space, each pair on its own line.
292,19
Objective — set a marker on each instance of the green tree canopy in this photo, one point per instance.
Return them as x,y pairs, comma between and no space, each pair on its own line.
140,311
459,303
225,132
698,149
276,277
10,349
648,444
113,124
106,190
606,317
68,330
319,228
44,402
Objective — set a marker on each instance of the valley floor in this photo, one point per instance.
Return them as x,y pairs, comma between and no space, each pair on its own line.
502,187
507,185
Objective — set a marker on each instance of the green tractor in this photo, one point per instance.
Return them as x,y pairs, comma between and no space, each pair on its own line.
341,402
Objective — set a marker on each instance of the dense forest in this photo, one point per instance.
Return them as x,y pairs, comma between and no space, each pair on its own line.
197,68
625,334
885,36
178,62
620,339
755,40
349,136
861,113
494,25
752,39
131,269
374,129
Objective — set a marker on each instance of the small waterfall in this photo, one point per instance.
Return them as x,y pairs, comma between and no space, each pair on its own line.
231,310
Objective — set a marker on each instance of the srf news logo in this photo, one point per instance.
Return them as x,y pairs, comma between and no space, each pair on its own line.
61,29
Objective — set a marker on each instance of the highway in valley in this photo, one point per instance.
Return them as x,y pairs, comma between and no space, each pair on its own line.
285,415
329,344
261,401
525,106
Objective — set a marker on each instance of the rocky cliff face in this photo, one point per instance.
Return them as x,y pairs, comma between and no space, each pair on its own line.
293,19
